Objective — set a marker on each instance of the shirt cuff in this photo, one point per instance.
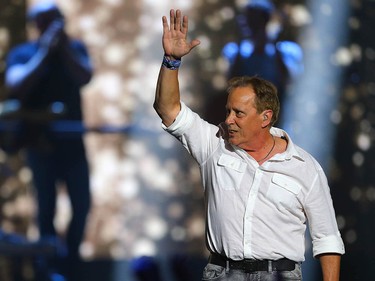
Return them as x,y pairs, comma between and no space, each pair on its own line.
181,123
328,244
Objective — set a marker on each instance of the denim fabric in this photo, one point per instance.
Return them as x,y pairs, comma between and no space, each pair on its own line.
217,273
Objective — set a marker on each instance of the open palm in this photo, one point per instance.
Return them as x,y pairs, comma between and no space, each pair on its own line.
175,42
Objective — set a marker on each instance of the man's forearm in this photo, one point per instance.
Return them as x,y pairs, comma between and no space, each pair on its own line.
330,264
167,96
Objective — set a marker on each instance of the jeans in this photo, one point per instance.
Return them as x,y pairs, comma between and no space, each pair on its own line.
218,273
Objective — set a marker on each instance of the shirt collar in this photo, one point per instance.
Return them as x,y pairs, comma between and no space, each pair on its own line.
291,149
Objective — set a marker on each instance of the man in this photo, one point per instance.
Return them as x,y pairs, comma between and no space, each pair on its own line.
260,188
45,76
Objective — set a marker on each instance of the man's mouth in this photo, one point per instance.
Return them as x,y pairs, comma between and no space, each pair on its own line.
231,132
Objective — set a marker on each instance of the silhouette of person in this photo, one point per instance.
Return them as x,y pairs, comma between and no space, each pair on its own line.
45,75
259,52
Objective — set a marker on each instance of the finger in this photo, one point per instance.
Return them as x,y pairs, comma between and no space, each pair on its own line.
185,24
171,19
178,20
195,43
165,24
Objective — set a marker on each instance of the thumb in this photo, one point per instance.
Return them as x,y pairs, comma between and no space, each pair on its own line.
195,43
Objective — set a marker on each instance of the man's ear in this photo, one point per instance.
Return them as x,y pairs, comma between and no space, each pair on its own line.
267,117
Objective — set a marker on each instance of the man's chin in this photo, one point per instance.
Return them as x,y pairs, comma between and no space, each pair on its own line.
232,140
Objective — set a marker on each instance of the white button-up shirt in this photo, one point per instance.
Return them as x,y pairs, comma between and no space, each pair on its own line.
259,212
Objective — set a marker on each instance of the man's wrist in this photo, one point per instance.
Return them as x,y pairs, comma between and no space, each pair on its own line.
171,63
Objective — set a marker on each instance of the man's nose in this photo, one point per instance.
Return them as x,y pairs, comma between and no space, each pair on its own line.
229,119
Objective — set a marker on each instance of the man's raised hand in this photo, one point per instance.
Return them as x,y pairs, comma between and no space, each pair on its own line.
175,42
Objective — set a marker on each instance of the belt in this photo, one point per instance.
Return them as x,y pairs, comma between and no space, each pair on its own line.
250,265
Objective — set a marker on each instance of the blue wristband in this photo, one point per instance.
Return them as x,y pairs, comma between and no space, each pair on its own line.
171,64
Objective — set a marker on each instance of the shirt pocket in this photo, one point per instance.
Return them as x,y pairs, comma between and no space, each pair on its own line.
230,171
283,191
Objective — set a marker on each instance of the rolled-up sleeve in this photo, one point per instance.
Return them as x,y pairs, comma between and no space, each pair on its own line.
183,121
328,244
196,135
324,230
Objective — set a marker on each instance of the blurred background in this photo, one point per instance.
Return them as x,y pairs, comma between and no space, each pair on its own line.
147,199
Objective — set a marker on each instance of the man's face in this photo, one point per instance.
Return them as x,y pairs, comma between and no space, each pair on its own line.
243,121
